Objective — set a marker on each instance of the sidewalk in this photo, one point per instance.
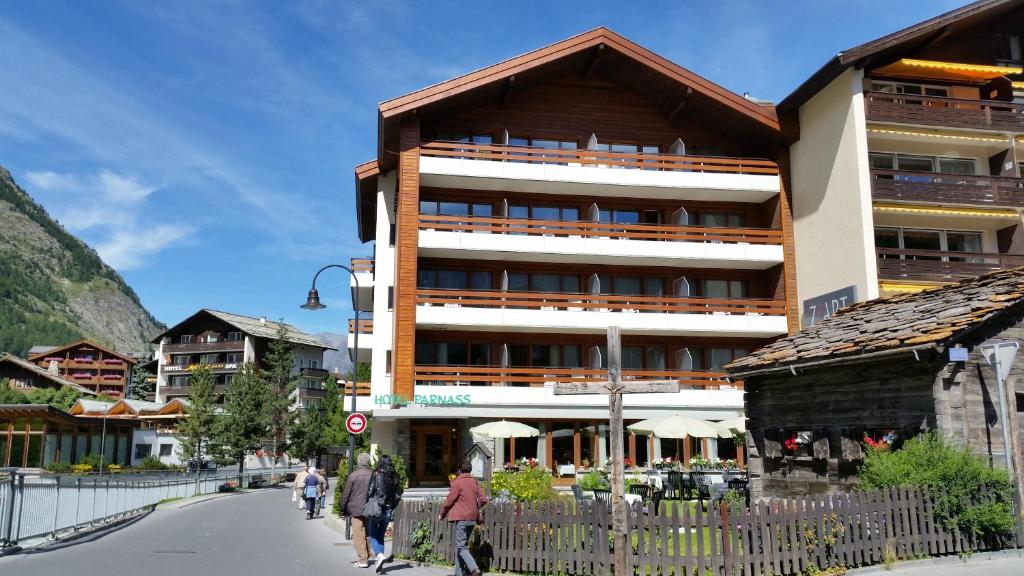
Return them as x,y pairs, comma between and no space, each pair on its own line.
1001,563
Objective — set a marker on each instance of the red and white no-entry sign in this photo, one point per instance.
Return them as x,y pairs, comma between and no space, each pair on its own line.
355,423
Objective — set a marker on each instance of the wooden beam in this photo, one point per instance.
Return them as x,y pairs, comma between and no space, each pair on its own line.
595,58
615,428
627,387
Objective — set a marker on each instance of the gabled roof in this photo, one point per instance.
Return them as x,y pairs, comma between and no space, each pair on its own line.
913,320
258,327
366,198
85,406
8,358
40,349
54,349
879,50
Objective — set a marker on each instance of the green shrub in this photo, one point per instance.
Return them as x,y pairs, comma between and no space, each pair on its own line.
593,480
92,461
973,497
339,482
529,485
152,463
59,467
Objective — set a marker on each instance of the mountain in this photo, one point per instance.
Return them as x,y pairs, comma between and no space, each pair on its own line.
55,289
336,359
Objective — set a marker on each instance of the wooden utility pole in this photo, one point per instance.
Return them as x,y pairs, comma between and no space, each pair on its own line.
615,388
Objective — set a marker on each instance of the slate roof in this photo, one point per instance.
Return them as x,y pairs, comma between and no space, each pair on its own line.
904,320
40,349
60,381
259,327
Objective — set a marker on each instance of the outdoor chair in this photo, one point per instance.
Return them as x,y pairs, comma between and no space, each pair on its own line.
701,484
577,492
641,490
604,497
674,484
656,497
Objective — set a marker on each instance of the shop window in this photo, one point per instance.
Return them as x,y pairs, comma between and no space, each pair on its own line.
166,450
143,451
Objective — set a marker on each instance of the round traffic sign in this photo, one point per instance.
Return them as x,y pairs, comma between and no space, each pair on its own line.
355,423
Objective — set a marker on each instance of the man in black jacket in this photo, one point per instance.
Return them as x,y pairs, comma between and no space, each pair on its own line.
353,499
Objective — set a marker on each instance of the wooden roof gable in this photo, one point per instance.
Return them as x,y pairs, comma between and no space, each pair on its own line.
57,350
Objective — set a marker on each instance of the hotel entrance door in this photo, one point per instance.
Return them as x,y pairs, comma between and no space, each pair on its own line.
433,454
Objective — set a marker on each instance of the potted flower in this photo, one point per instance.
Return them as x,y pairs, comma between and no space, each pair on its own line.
798,444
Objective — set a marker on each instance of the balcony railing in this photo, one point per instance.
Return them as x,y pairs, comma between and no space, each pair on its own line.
911,186
600,159
560,228
596,302
945,112
222,346
362,265
538,376
365,326
938,265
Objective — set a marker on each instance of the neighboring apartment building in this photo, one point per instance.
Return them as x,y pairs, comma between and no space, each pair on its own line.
24,376
519,210
225,341
906,172
87,364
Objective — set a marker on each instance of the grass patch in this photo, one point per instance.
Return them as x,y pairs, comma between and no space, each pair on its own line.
169,500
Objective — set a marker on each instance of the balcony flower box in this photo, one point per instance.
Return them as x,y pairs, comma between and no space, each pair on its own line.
53,359
81,375
111,376
114,361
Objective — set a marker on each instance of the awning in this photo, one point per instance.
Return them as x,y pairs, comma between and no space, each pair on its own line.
908,67
943,211
888,288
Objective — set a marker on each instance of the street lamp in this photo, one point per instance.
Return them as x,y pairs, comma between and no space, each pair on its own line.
313,303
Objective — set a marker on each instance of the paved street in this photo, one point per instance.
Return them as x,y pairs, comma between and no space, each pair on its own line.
978,565
255,533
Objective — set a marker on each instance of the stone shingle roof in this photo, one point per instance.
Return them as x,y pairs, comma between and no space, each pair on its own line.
899,321
264,328
60,381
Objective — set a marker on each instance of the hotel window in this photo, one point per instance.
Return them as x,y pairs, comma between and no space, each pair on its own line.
631,285
185,339
179,381
918,239
235,336
453,353
909,89
719,357
233,357
432,207
143,450
1007,49
560,213
617,216
725,288
920,163
181,360
721,219
210,337
165,450
208,359
638,357
453,279
314,364
465,137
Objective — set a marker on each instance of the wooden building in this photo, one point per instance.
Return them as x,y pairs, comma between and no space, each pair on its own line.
24,376
883,369
35,435
88,364
520,209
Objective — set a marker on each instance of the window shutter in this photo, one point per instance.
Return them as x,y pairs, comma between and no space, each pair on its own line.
772,444
820,445
852,450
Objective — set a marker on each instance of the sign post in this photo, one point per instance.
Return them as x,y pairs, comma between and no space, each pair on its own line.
614,387
355,423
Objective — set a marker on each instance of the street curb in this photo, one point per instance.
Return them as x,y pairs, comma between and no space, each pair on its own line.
87,535
941,561
334,522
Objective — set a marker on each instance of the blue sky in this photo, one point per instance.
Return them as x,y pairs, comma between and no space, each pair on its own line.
206,148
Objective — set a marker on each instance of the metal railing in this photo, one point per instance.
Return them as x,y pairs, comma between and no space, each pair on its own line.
34,508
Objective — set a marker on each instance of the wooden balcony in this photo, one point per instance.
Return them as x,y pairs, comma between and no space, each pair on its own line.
362,265
565,229
944,112
596,302
316,373
365,326
537,377
939,266
947,189
222,346
595,158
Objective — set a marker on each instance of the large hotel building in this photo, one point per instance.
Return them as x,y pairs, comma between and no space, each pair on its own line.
518,211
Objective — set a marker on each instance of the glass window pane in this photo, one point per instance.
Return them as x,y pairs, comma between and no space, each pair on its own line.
716,288
737,220
881,160
518,211
626,148
480,354
454,209
428,207
712,220
570,284
482,209
571,356
544,283
656,358
654,286
542,355
956,166
518,355
921,240
627,216
546,212
632,357
963,241
518,141
570,214
480,280
568,145
605,215
457,353
737,289
628,285
919,163
452,279
425,352
887,238
518,282
483,138
606,283
546,144
719,357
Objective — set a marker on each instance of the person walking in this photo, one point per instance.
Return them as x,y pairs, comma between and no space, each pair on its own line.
462,506
299,487
353,500
384,494
311,491
321,499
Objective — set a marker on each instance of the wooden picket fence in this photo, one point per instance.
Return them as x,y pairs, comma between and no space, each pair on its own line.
776,537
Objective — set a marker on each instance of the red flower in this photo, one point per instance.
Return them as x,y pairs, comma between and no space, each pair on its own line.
791,444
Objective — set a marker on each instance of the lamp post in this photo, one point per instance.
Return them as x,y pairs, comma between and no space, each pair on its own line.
313,303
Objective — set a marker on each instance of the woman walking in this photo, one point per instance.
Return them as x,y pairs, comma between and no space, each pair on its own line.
311,491
462,506
385,491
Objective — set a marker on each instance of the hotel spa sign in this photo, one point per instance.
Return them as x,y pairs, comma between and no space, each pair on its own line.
191,367
821,307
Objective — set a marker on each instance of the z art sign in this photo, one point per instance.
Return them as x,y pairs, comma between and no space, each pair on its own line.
821,307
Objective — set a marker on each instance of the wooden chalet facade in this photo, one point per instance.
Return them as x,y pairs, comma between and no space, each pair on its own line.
90,365
520,209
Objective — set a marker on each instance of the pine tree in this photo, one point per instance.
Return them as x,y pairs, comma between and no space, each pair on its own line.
138,386
9,395
244,424
307,438
279,362
196,428
333,406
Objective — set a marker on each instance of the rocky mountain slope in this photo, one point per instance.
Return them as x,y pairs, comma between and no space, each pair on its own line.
336,359
55,289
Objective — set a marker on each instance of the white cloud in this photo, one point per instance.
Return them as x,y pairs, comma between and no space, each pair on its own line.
111,207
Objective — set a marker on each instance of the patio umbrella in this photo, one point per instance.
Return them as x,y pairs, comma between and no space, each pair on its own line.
677,426
734,425
502,429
